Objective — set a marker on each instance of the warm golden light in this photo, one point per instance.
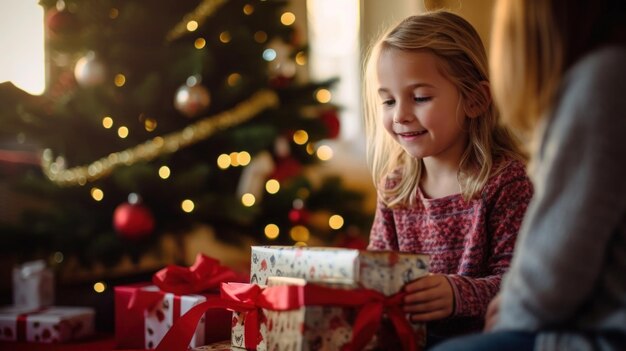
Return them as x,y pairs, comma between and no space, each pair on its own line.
233,79
114,13
287,18
233,159
187,205
120,80
271,231
310,148
164,172
99,287
225,37
97,194
223,161
300,137
324,153
323,95
248,199
150,124
192,26
122,132
272,186
260,37
243,158
107,122
248,9
335,221
301,58
199,43
299,233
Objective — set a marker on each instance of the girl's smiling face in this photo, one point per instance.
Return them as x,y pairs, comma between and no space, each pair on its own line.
421,109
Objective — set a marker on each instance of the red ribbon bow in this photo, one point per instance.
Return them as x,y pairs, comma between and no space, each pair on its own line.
205,274
250,297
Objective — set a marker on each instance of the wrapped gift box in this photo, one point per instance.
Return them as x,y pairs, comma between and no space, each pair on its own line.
310,327
33,285
145,327
46,325
384,271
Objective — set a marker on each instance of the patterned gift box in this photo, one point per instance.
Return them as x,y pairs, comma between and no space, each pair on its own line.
384,271
46,325
311,327
145,313
33,285
145,327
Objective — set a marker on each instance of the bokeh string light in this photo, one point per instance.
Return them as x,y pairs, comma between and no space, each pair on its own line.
55,170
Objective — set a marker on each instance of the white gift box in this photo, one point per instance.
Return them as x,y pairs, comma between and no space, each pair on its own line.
162,316
46,325
33,285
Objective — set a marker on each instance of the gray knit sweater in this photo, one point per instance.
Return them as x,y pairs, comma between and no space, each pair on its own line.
568,276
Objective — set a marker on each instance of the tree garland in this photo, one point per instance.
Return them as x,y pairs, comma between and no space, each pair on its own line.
199,14
157,146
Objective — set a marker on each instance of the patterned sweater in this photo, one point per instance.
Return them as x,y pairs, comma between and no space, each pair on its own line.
470,241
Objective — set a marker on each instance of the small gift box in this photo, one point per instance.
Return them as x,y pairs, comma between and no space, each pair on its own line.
33,285
46,325
144,313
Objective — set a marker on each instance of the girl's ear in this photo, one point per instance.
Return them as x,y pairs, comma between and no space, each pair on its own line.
479,101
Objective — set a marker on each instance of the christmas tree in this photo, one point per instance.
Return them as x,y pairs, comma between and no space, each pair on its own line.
159,115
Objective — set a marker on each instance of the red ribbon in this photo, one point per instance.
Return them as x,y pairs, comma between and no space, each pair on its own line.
21,323
248,298
205,274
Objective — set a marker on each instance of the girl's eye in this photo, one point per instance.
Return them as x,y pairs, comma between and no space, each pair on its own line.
420,99
388,102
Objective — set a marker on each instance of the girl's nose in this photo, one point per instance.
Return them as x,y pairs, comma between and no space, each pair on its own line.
403,114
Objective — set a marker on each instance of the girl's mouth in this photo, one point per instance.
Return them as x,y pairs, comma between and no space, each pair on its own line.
412,134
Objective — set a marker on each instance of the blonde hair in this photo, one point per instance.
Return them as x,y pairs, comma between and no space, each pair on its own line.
534,43
462,59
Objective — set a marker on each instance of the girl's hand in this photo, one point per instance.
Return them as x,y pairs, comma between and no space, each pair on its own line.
492,313
429,298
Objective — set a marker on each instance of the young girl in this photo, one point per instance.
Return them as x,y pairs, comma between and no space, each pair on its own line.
451,182
561,75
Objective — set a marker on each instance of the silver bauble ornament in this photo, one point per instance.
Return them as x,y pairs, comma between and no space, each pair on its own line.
89,71
192,100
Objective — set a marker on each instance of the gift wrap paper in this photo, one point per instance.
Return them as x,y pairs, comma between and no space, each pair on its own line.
33,285
137,329
46,325
219,346
316,327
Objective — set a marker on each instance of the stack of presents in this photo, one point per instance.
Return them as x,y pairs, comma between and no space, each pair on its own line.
33,316
298,298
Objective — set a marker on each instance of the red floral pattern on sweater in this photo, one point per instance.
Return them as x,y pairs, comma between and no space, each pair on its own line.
470,241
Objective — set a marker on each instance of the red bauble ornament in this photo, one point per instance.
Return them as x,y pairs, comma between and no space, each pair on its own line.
61,22
286,168
331,121
133,220
298,215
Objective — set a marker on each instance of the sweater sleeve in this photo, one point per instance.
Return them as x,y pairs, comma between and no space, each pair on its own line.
383,232
579,199
472,295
